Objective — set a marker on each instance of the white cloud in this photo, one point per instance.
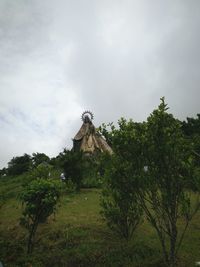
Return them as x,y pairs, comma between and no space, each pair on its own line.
116,58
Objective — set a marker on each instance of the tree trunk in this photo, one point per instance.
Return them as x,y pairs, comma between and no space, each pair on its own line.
172,256
30,239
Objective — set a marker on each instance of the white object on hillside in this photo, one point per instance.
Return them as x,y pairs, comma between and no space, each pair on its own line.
62,176
145,168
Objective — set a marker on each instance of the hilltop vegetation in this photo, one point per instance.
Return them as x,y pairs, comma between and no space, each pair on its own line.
138,207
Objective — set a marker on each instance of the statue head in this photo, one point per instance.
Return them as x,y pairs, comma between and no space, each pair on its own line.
87,117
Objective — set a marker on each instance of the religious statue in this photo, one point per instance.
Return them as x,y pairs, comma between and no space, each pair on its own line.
88,139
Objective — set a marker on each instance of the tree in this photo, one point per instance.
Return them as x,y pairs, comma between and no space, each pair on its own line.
43,170
166,191
120,201
191,129
38,158
72,164
19,165
191,126
157,162
39,199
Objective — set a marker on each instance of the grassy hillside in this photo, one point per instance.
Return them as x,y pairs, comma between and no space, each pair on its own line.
77,235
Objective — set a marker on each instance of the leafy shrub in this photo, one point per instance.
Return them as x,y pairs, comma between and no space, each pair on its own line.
120,203
43,170
39,199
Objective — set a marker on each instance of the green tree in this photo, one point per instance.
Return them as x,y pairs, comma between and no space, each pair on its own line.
43,170
120,201
166,191
191,129
191,126
19,165
72,164
38,158
39,199
156,161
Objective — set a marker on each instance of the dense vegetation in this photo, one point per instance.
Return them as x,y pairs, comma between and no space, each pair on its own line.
138,207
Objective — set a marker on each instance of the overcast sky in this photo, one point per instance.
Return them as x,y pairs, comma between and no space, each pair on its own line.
115,58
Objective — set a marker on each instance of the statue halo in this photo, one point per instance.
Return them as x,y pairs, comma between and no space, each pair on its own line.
87,113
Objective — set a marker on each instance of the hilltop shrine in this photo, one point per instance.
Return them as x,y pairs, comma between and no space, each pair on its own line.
88,139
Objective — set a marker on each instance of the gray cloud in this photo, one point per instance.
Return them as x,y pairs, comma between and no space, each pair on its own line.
116,58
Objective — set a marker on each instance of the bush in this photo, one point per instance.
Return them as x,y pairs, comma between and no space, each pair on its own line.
43,170
120,202
39,199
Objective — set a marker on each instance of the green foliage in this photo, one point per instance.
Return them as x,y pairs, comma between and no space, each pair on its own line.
108,135
191,126
43,170
155,162
39,158
155,167
19,165
10,187
120,202
67,187
39,199
191,129
92,171
78,237
94,181
72,164
165,196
